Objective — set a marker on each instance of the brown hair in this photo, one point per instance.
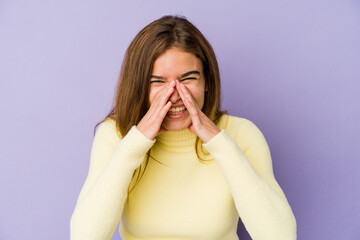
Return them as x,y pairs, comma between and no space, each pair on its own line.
132,93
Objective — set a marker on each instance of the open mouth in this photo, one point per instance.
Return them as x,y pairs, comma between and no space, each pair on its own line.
177,111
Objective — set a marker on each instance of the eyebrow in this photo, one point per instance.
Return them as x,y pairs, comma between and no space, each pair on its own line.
180,77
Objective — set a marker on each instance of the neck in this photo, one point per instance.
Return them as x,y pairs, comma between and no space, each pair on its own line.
182,137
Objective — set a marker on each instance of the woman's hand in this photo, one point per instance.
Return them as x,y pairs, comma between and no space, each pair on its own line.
150,124
201,125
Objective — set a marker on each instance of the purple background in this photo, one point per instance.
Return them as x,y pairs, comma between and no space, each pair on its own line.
292,68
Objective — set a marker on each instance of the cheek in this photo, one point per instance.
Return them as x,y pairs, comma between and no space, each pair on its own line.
152,94
197,94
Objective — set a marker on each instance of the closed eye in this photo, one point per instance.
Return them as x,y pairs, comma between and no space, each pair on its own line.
157,81
188,79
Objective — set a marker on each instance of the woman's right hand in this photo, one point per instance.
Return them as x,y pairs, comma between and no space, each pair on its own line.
150,124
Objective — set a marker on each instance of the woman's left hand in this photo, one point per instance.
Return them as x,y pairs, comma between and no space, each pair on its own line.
201,125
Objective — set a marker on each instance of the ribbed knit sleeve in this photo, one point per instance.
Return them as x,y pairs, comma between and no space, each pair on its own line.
112,163
259,200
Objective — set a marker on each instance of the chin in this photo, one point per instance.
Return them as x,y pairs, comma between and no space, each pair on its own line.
173,125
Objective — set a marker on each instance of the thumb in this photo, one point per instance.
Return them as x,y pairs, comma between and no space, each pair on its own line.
162,130
192,129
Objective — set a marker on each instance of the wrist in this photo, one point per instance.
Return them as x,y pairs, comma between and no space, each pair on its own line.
139,128
212,134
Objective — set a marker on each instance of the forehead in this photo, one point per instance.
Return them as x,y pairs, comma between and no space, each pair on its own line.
176,61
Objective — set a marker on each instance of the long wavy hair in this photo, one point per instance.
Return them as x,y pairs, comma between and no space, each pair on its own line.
131,99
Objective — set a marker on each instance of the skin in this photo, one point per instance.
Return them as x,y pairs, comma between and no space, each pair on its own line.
171,90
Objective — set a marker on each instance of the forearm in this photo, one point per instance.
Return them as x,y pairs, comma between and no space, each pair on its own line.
266,214
98,211
263,209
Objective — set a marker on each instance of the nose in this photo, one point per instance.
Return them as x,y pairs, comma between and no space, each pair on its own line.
175,96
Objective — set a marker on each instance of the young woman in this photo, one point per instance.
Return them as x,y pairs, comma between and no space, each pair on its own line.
167,162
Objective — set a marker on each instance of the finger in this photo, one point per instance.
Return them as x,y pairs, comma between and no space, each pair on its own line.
165,110
157,117
193,110
155,107
163,91
180,91
163,95
186,93
168,93
162,115
189,101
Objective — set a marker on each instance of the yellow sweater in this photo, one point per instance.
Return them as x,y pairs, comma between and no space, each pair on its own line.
179,197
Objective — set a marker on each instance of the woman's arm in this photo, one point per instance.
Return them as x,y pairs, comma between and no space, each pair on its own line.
258,198
112,163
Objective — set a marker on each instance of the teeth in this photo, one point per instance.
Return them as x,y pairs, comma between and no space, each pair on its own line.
177,110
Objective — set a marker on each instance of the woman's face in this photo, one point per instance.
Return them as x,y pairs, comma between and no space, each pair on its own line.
178,64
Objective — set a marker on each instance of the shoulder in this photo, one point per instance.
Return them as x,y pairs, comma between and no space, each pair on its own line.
107,131
242,129
233,124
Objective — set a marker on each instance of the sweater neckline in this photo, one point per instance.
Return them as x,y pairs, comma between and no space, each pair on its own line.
184,137
177,138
